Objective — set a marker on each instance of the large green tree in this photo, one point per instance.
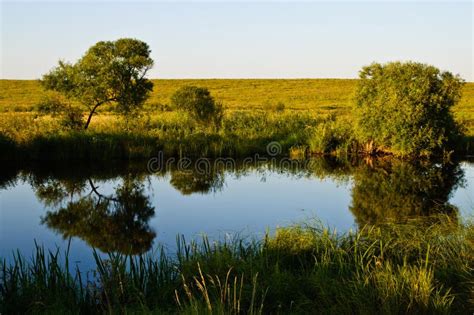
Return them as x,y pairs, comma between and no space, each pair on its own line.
405,108
109,72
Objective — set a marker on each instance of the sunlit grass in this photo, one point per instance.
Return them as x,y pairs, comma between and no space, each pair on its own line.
415,268
306,114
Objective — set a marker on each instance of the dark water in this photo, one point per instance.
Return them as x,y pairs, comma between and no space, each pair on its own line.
126,208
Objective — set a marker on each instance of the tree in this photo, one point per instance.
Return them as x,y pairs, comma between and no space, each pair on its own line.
199,103
405,108
109,72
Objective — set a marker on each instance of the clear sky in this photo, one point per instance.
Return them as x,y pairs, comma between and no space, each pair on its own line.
244,39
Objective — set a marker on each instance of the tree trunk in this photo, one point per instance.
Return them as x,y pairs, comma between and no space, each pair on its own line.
90,115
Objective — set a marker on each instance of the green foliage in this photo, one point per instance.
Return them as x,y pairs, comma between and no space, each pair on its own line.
199,103
332,136
111,71
405,108
71,117
392,269
280,107
320,96
51,104
245,127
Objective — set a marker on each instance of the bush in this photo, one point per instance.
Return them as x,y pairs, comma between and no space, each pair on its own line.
55,105
199,103
280,107
405,108
72,118
51,104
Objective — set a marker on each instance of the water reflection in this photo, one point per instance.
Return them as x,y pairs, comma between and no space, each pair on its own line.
395,191
80,202
191,181
112,223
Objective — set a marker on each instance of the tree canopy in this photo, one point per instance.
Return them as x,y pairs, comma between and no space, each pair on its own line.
405,108
109,72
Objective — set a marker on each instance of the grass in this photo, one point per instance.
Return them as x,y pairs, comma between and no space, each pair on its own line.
389,269
236,94
297,113
110,136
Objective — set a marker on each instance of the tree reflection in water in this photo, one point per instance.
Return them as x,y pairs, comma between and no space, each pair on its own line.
190,182
389,190
117,223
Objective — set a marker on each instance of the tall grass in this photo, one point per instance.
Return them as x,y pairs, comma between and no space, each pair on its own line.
411,268
243,133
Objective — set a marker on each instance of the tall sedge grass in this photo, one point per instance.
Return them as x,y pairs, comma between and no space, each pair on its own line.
409,268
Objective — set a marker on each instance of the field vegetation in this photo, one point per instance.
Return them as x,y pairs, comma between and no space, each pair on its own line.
388,269
313,113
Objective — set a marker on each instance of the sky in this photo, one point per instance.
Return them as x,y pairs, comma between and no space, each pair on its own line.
242,39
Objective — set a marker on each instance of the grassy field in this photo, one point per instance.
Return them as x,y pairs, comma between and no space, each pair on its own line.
254,117
23,95
391,269
321,95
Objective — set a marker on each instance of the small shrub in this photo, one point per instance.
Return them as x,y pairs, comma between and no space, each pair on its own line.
71,117
199,103
51,104
280,107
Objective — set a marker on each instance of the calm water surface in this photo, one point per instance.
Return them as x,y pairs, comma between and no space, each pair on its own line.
125,208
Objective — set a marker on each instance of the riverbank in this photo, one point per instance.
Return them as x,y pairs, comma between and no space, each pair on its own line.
27,136
418,267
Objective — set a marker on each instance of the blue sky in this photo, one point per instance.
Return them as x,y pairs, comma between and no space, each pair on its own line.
242,40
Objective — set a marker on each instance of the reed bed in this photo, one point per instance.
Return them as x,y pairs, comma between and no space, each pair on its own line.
389,269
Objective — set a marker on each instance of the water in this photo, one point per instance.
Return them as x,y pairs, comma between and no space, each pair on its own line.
125,208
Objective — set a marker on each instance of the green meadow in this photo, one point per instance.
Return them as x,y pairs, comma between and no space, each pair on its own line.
242,94
300,114
319,95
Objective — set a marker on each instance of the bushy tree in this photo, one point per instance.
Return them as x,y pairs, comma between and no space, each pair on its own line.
109,72
405,108
199,103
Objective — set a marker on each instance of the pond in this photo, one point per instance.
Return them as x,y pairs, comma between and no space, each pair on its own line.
134,208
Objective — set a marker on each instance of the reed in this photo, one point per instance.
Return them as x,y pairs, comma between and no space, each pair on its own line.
416,267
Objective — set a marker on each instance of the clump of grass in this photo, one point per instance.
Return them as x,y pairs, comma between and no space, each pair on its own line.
393,268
